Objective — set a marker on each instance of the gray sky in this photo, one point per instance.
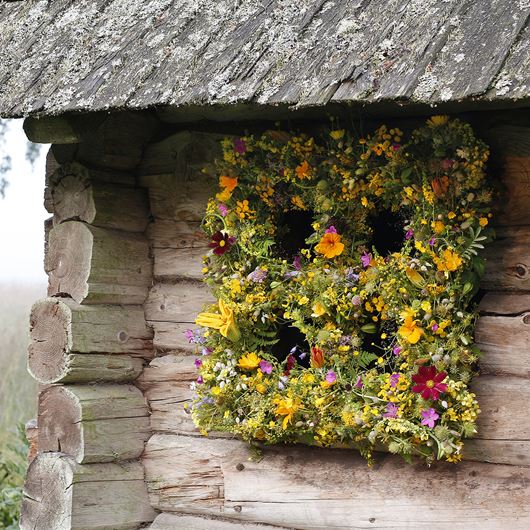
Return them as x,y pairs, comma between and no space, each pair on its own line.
22,214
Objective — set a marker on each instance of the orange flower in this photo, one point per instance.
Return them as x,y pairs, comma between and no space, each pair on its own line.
229,183
410,331
330,245
303,171
317,357
449,262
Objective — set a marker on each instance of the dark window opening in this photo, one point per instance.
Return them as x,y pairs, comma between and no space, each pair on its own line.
294,227
387,232
292,342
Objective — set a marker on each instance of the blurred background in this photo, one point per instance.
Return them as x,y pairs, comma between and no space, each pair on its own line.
22,282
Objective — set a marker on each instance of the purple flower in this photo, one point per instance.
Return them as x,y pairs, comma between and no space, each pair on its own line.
432,241
409,233
257,275
198,363
223,209
351,276
265,367
331,230
297,262
366,258
356,300
194,336
240,146
189,335
397,350
345,340
200,380
302,355
429,418
206,351
331,377
435,327
359,383
394,380
391,411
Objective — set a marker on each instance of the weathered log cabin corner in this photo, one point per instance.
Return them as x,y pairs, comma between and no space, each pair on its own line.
134,97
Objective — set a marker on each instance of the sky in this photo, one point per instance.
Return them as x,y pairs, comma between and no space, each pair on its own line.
22,214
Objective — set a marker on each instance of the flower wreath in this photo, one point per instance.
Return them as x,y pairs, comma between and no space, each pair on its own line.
322,334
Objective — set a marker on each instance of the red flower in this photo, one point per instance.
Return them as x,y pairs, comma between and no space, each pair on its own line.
429,383
221,243
289,365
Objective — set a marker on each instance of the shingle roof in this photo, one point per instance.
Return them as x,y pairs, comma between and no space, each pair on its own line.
79,55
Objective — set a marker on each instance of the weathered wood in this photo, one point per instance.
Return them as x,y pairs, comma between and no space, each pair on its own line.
516,199
169,337
31,430
500,303
94,424
172,521
97,266
182,264
73,195
62,332
60,494
305,487
179,302
505,344
51,130
166,385
508,260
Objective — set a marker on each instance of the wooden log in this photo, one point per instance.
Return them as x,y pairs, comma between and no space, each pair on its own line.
505,343
63,333
94,424
516,203
51,130
172,521
508,260
166,386
31,430
60,494
304,487
508,304
182,264
97,266
73,195
169,337
178,303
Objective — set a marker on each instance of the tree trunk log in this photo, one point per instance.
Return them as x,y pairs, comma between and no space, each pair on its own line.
98,266
304,487
73,195
94,424
60,494
31,430
172,521
63,333
51,130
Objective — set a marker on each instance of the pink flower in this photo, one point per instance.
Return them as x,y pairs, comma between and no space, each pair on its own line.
240,146
391,411
331,377
198,363
409,233
366,259
429,418
397,350
265,367
297,262
394,380
331,230
432,241
289,365
429,382
435,327
223,209
359,383
200,380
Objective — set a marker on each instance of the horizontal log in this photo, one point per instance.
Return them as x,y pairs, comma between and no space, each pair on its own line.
305,487
172,521
182,264
501,303
51,130
169,337
31,431
166,386
73,195
178,302
94,424
508,260
60,494
505,344
97,266
61,331
516,203
501,438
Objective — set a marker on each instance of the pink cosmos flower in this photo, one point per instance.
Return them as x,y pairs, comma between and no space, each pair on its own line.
391,411
366,259
429,418
429,382
265,367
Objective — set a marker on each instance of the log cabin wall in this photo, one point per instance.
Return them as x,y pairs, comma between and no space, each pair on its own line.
123,256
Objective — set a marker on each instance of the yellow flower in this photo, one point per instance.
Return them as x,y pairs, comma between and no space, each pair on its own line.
303,171
286,407
449,262
235,286
298,202
250,361
224,322
330,245
451,215
318,310
303,300
243,210
228,184
337,135
437,121
438,227
415,277
364,201
410,331
483,221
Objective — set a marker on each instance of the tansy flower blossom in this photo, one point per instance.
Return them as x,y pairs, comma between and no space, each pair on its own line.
221,243
250,361
330,245
429,383
410,331
429,418
224,322
286,407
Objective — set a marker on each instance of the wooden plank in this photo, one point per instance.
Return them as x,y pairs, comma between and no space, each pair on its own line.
182,264
94,424
508,260
179,302
31,430
172,521
505,344
501,303
304,487
60,494
51,130
169,337
516,177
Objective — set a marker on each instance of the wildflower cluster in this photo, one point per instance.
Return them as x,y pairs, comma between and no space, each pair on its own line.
328,331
